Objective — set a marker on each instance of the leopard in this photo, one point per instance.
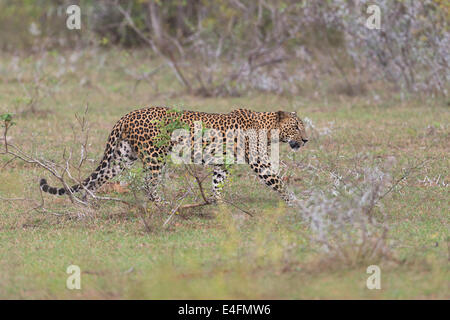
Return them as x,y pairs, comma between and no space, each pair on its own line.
138,136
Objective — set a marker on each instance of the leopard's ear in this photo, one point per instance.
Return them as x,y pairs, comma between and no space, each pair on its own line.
281,115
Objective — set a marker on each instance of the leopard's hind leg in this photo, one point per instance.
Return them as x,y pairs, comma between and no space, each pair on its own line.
220,174
153,163
117,157
121,157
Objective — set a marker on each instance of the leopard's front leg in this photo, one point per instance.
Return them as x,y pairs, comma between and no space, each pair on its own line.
273,180
220,173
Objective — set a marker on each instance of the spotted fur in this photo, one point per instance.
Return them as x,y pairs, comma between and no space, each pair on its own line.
136,135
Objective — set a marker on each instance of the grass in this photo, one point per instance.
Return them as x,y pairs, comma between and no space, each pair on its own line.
218,251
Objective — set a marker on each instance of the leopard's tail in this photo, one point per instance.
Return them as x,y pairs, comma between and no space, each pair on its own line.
99,176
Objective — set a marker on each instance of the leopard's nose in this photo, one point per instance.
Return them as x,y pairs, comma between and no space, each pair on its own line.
294,144
305,141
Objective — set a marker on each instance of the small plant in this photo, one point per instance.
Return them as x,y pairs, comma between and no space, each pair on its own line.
167,127
342,219
7,119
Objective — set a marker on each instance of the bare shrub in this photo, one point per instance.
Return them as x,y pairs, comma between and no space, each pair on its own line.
348,221
410,50
262,45
67,171
211,61
218,48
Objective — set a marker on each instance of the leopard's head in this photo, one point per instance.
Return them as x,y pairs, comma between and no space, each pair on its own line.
292,129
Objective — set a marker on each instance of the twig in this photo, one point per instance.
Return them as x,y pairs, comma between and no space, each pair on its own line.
403,177
174,210
237,207
169,60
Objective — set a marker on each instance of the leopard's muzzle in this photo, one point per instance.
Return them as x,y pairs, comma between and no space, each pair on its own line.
295,145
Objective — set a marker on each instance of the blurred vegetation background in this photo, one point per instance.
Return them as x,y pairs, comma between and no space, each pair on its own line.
228,47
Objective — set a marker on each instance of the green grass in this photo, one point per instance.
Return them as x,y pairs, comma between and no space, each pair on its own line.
218,251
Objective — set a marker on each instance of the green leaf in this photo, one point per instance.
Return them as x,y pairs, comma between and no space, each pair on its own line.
6,117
